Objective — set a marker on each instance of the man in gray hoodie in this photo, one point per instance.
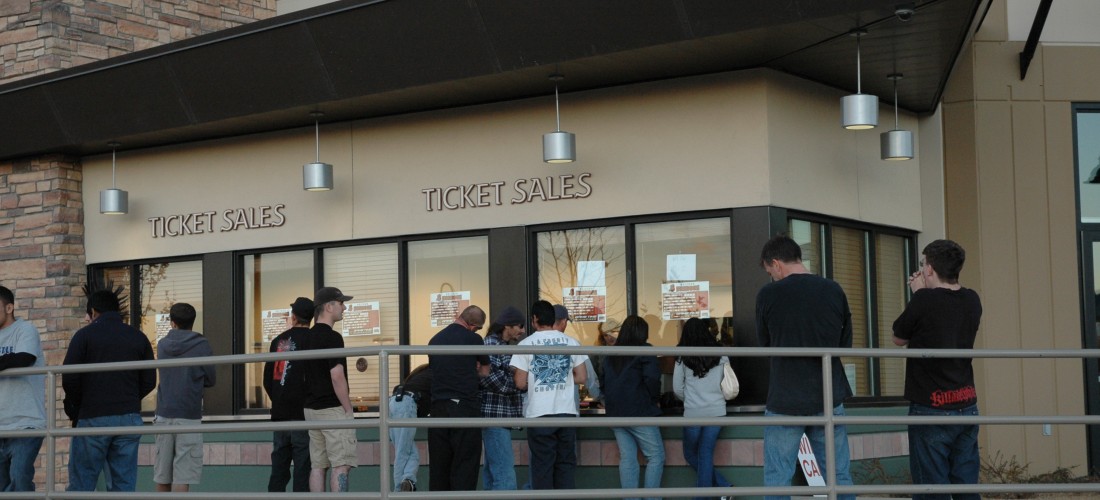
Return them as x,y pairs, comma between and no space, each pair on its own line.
179,402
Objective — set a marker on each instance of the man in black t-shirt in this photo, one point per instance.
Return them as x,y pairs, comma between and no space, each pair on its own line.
801,309
456,453
941,315
285,384
328,397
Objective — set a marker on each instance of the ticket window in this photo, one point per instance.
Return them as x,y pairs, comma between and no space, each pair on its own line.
445,276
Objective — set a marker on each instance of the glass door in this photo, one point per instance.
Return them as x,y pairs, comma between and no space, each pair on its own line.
1090,277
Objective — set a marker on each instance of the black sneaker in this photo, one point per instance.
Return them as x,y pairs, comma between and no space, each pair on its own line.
408,485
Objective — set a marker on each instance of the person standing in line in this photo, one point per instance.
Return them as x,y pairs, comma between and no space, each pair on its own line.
20,347
632,387
941,315
500,398
409,400
178,462
106,399
328,397
697,381
455,453
550,380
285,384
800,309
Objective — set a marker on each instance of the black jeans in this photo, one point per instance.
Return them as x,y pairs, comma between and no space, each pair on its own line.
553,456
455,454
287,447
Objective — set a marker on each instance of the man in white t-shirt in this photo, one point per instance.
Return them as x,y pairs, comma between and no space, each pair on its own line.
25,397
550,380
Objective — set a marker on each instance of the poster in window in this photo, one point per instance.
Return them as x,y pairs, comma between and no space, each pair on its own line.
362,318
446,306
273,322
685,299
585,303
164,323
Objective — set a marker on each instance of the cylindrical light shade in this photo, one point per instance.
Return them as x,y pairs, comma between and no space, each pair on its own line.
859,111
559,147
897,145
317,176
114,202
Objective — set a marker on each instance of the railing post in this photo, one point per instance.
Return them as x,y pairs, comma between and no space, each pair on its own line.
384,486
830,442
51,424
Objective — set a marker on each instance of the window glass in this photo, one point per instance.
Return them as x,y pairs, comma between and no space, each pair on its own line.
584,269
1088,165
850,271
809,236
445,276
684,270
271,283
115,277
891,271
370,275
162,285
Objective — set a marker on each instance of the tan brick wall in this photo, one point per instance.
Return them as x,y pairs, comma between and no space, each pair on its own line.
38,37
42,255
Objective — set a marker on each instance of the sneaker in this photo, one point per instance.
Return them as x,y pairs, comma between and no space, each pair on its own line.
408,485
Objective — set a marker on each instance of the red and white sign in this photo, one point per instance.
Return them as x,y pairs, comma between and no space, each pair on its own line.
808,463
445,307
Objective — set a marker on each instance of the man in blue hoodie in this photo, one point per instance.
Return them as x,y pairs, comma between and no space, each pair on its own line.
179,402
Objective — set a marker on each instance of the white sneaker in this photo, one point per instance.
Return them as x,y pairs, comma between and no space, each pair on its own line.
408,485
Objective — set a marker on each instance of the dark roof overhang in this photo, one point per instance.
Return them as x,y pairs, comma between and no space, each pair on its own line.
357,59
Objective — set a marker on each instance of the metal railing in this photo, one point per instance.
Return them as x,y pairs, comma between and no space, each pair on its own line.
382,422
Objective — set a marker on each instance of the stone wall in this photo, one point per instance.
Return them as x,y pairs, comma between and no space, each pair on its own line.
37,37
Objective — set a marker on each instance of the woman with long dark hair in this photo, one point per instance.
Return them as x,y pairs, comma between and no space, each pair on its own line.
632,387
697,380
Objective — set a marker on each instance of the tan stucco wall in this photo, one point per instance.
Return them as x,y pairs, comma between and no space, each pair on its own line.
1010,201
719,141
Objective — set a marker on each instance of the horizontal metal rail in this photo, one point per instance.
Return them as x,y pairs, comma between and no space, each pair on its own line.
382,422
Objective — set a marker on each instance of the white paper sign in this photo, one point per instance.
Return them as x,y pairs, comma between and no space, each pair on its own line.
680,267
591,273
446,306
808,464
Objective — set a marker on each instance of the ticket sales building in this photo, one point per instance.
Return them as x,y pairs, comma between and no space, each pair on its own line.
678,181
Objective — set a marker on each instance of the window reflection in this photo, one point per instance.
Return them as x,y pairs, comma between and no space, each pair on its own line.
891,271
584,269
369,274
271,283
684,271
444,277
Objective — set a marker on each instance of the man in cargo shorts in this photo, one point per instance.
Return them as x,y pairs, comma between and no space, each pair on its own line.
328,397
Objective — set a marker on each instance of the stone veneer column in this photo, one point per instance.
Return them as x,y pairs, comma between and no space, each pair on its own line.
42,259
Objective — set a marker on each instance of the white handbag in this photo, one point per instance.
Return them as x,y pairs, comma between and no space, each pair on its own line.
730,386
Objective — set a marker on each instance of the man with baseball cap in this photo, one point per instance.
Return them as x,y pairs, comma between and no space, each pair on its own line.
328,396
285,384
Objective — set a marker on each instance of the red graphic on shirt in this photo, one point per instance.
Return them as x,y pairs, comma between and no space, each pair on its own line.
941,398
284,345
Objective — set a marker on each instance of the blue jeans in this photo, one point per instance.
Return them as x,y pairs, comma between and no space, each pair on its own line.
499,472
699,454
553,456
406,460
944,454
648,439
89,454
781,452
289,447
17,463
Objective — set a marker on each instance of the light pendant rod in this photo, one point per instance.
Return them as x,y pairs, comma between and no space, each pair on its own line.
557,108
859,73
317,133
895,77
114,183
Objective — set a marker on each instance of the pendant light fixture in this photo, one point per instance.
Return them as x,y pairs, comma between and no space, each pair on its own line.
859,111
114,201
896,144
558,146
317,176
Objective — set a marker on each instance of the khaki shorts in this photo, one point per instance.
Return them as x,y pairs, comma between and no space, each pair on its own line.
335,447
178,456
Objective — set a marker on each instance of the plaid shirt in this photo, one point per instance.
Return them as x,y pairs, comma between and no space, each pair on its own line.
499,396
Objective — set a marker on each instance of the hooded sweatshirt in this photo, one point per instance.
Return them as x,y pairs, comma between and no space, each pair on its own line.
180,392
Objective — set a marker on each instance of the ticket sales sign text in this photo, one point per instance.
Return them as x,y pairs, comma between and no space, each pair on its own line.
484,194
230,219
